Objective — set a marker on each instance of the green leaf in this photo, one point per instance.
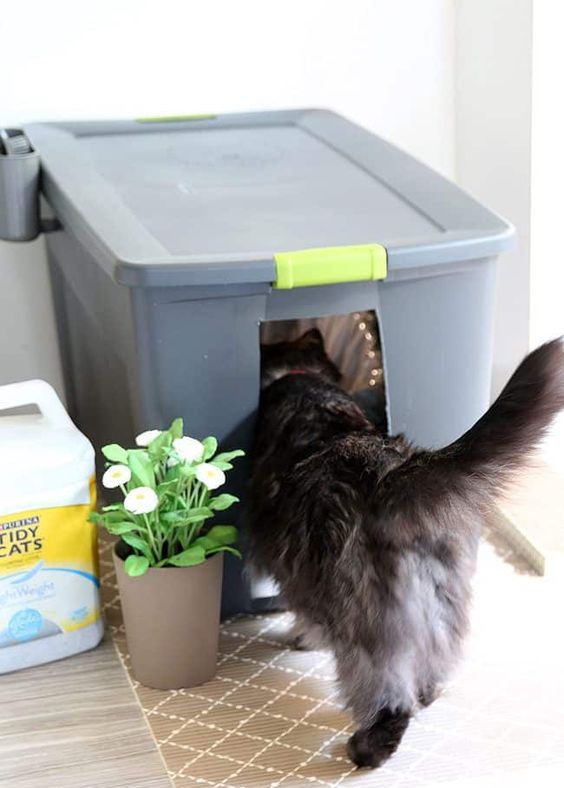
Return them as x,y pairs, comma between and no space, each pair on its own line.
210,447
187,470
223,466
173,472
121,528
221,502
173,517
95,517
112,507
117,516
196,515
223,534
159,446
191,557
187,516
227,456
225,549
114,453
205,542
176,429
137,543
211,546
141,468
166,487
136,565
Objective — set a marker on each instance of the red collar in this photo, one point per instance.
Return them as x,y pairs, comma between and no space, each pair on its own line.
297,372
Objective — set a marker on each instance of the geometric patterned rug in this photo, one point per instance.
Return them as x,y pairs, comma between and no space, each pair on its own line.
271,716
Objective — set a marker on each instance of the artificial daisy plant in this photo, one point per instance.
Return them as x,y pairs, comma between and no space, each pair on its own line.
167,484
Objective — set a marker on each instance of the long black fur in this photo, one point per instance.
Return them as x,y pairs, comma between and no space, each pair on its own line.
374,542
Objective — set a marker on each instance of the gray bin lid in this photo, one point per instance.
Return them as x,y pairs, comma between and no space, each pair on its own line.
211,200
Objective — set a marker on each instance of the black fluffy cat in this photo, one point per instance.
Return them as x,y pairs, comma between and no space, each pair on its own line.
374,542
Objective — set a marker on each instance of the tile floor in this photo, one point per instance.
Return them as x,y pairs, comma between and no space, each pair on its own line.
271,717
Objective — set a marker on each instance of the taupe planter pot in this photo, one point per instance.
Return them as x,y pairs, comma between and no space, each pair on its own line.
171,618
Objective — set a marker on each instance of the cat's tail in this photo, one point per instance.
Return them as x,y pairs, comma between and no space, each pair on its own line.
484,460
503,439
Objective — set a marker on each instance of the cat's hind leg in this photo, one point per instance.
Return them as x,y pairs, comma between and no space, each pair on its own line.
370,747
381,698
306,637
429,695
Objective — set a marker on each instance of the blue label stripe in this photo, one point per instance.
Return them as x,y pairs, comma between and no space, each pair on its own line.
21,577
87,575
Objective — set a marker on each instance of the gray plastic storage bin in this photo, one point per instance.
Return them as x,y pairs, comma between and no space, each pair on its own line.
170,254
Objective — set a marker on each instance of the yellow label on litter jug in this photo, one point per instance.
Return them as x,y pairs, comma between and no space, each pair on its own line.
48,573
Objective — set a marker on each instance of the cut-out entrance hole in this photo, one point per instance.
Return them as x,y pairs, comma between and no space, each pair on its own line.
353,343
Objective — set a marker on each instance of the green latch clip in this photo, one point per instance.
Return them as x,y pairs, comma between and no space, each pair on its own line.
330,265
175,118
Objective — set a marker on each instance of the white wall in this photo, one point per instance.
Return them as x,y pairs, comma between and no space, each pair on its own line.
493,137
547,259
387,65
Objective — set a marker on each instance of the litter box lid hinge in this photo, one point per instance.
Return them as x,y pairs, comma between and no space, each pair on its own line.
330,265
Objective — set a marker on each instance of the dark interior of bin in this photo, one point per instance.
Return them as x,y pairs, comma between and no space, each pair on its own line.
352,342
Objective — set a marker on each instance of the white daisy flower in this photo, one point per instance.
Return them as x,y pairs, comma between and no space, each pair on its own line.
145,438
188,449
141,500
209,475
116,476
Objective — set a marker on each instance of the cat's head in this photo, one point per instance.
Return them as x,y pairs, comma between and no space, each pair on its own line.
305,354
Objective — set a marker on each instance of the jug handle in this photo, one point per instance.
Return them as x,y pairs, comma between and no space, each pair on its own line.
36,392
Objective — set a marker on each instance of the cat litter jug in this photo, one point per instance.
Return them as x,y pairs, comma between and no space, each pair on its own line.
49,586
